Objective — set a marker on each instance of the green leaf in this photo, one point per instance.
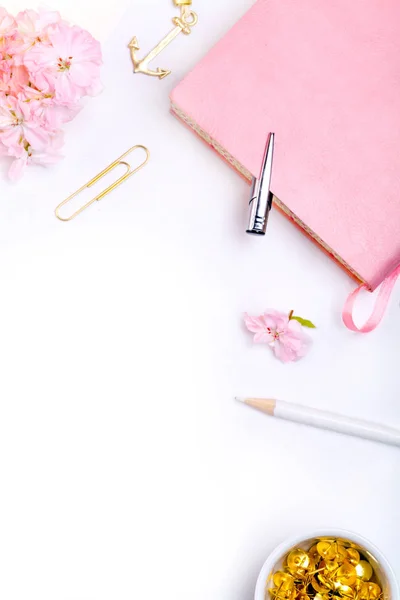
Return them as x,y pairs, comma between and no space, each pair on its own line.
304,322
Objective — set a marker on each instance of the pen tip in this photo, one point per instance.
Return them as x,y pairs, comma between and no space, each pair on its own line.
240,399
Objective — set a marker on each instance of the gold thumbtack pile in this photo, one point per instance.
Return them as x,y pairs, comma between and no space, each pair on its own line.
329,570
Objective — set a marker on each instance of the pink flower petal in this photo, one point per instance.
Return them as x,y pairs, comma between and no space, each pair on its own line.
254,324
295,326
269,321
37,138
282,352
66,91
11,136
82,73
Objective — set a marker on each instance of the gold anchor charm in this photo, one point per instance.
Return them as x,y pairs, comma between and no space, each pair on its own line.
183,24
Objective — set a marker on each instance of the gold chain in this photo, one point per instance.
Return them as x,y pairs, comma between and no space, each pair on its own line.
183,24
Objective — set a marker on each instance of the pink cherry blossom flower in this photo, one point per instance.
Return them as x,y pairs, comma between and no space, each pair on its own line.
33,25
55,115
13,80
51,114
18,120
26,155
32,28
69,66
46,68
283,334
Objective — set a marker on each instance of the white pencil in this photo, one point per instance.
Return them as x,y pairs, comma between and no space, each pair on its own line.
325,420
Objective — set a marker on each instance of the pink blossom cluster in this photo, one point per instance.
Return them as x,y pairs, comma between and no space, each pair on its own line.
283,333
46,67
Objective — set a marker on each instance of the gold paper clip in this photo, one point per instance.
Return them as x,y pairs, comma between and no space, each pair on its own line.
112,187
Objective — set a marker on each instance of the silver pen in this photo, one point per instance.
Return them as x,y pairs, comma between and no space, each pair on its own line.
261,195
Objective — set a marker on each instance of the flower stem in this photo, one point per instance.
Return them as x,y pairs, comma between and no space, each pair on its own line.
291,315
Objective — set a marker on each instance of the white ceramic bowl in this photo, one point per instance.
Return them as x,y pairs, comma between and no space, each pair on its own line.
381,566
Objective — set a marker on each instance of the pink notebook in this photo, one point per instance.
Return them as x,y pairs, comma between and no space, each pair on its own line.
325,77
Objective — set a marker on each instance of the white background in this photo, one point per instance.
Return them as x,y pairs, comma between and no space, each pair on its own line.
127,470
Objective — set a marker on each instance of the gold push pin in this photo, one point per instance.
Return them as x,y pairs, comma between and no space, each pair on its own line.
341,554
364,570
353,556
297,561
313,552
284,581
116,163
346,591
346,574
358,584
327,549
331,550
370,591
283,594
330,566
325,579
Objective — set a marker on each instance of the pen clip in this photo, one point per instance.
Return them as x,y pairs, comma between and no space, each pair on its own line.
261,195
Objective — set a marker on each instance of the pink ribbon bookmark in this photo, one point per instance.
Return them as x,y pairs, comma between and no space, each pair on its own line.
380,305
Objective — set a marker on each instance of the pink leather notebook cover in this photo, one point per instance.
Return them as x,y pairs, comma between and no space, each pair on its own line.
325,77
